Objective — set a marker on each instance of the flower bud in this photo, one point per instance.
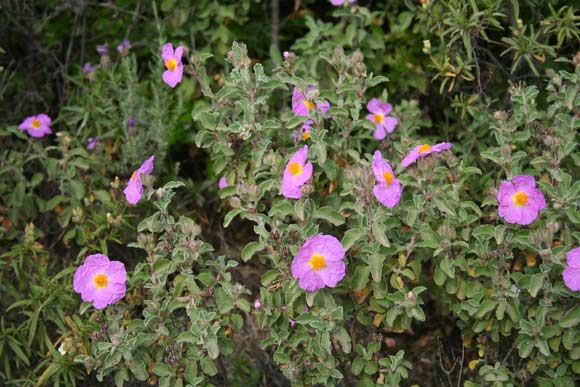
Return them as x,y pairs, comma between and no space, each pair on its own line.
427,46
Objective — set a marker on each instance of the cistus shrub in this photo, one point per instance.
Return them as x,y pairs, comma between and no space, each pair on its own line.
392,199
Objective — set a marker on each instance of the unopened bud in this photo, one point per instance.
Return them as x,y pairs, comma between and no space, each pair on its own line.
357,56
426,46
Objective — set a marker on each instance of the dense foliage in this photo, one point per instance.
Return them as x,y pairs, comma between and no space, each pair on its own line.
440,286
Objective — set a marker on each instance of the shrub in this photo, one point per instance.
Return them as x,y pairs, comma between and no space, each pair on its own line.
454,205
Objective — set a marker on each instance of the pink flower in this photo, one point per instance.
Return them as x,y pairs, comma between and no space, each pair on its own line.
319,263
519,200
172,59
383,123
302,106
37,126
257,304
100,281
92,143
571,273
388,190
88,68
124,47
296,174
337,3
303,134
424,150
134,189
223,183
291,322
103,49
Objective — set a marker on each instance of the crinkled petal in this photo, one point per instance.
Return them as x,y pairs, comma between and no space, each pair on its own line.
505,193
27,123
536,199
134,191
388,195
573,258
326,245
442,146
116,272
173,77
377,107
571,278
389,124
82,280
524,182
411,157
147,166
290,191
40,132
323,106
83,277
311,282
523,215
379,132
298,106
178,54
333,273
44,119
300,266
167,52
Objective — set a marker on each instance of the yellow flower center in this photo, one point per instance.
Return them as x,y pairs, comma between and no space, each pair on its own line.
35,123
101,281
520,199
309,104
171,64
378,118
317,262
305,135
424,148
388,177
295,168
134,175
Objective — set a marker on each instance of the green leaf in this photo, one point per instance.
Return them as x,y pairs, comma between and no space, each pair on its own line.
360,278
484,232
329,214
161,369
351,237
250,249
186,337
536,283
295,121
212,347
484,308
207,366
377,80
444,205
139,369
379,232
571,319
231,215
224,301
376,265
342,336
